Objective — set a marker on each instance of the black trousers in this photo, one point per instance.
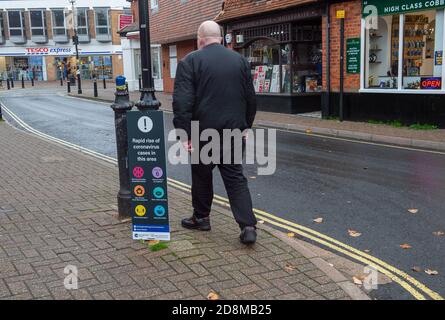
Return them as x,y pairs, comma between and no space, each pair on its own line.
236,186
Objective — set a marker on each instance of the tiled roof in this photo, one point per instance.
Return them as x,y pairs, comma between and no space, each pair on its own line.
234,9
177,20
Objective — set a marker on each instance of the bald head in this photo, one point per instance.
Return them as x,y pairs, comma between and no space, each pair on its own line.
209,32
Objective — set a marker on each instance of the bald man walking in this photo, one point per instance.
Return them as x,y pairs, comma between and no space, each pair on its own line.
214,86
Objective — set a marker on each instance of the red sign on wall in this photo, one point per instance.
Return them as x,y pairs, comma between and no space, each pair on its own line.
125,20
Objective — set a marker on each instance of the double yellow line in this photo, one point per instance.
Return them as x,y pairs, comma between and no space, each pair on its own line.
414,287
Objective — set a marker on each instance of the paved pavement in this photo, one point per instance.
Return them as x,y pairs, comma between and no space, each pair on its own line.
351,185
57,208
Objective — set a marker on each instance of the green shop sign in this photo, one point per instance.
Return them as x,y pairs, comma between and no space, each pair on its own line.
353,55
388,7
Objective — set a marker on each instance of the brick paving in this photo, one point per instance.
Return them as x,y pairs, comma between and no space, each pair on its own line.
57,208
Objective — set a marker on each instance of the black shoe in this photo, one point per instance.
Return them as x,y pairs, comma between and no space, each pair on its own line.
248,235
195,223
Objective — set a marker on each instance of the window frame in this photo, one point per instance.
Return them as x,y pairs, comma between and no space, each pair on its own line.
53,19
43,19
22,27
97,26
400,76
86,27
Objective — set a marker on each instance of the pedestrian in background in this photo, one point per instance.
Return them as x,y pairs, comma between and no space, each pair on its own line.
214,86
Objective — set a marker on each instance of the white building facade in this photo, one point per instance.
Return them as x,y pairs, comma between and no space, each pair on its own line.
36,38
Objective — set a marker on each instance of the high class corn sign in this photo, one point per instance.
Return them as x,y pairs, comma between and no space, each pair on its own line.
387,7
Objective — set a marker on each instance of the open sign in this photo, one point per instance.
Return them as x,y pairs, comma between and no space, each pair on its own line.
434,83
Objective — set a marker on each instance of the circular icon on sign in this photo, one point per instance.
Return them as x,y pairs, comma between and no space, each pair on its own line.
159,211
145,124
157,172
140,210
139,191
138,172
158,193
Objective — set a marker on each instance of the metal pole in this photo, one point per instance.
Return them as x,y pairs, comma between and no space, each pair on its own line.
23,82
32,80
148,99
68,85
76,43
103,72
8,84
342,62
61,77
95,87
120,107
140,82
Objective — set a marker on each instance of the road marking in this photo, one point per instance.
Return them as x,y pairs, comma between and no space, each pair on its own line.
274,220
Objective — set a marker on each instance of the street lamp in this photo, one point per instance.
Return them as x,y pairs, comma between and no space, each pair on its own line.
76,43
148,99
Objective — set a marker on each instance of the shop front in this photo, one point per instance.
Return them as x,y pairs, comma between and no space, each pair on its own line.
400,44
285,53
53,63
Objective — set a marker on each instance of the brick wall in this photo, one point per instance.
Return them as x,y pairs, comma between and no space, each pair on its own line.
352,30
183,48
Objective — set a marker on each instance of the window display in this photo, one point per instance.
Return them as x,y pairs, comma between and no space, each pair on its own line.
294,67
420,64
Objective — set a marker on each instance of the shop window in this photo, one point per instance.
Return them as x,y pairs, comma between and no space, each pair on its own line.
382,53
102,21
264,58
16,23
173,55
423,41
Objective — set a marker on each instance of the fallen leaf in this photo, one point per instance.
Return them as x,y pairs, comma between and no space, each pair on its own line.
212,296
318,220
413,211
288,267
330,264
367,250
439,233
405,246
354,233
291,234
431,272
308,131
152,242
416,269
261,222
357,281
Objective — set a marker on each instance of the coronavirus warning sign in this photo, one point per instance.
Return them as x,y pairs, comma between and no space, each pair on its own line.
148,176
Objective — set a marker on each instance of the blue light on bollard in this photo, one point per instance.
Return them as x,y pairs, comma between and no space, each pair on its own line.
120,81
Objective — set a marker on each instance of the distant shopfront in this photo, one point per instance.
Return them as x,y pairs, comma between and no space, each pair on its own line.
400,73
52,63
285,53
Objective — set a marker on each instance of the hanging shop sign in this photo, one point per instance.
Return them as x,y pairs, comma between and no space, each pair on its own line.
353,55
388,7
125,20
147,168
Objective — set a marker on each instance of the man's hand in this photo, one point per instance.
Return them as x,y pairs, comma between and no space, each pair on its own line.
246,134
187,145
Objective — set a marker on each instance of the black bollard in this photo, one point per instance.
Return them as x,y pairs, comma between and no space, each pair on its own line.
105,83
8,84
140,82
61,81
32,81
23,82
120,107
68,85
12,83
95,88
1,116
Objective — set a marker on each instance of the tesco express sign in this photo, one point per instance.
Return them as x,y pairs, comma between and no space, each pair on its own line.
48,51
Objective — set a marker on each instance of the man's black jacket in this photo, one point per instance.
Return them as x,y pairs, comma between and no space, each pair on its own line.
214,85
